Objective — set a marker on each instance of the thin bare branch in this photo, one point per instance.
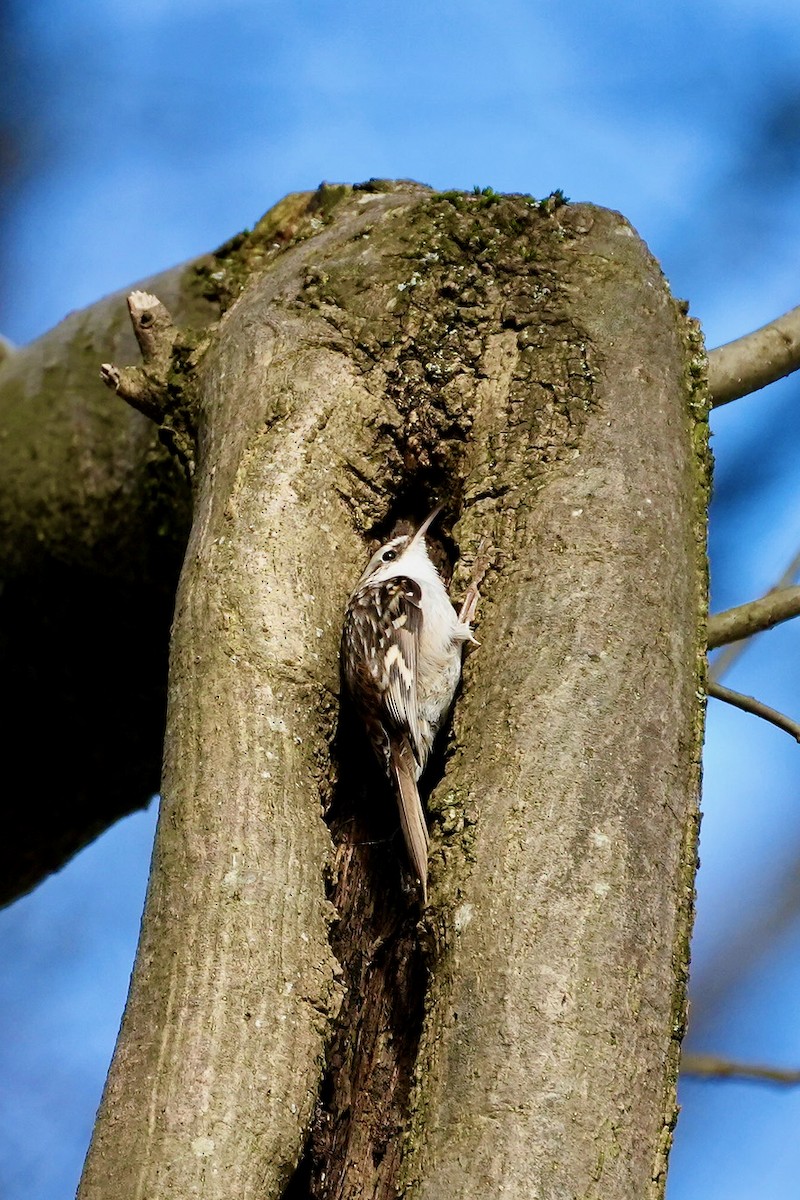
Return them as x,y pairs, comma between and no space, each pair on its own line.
708,1066
742,622
751,705
753,361
724,661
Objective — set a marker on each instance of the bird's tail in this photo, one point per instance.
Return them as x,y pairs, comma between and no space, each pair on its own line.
412,818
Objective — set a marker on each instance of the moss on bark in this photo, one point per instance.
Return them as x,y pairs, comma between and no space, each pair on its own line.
369,351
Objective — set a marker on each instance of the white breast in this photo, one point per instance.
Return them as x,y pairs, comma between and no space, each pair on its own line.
440,646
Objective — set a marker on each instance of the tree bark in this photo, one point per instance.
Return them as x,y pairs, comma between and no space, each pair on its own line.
94,517
524,363
557,1002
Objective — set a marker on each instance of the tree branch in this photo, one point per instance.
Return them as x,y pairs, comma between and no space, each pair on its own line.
753,361
724,661
743,621
708,1066
751,705
92,511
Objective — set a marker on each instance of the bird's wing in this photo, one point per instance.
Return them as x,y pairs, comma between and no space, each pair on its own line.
386,653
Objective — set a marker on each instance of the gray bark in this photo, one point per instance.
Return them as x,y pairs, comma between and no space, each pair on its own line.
557,1000
525,364
755,360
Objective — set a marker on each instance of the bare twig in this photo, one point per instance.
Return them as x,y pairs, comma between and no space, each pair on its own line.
753,361
751,705
724,661
708,1066
742,622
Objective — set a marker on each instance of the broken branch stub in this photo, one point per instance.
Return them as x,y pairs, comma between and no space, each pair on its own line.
157,389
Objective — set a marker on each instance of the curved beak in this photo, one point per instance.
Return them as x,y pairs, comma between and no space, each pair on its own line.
423,529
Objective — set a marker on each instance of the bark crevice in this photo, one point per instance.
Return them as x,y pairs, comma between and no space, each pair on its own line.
357,1137
380,940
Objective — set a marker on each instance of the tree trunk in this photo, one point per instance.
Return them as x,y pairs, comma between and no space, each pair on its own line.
525,364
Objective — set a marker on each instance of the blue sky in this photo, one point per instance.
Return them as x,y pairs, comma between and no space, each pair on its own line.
155,130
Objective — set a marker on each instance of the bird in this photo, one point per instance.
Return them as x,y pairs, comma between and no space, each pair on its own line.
402,648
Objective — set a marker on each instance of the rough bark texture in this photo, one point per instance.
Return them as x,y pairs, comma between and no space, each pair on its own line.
93,521
525,364
94,517
556,1008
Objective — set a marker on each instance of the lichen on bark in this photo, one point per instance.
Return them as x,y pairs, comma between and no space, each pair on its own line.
367,352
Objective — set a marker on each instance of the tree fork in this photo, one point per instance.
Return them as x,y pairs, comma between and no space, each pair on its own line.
94,517
525,364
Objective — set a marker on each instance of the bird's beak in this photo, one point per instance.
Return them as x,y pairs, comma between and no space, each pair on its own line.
423,529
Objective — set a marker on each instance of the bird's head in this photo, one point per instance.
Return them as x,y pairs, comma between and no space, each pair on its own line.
403,555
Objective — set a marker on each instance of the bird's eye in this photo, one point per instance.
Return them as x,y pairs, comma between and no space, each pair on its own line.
389,555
